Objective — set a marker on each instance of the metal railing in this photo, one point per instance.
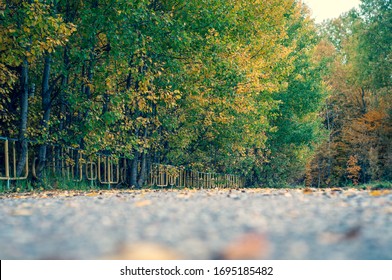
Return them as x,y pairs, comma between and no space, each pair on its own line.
168,176
8,170
75,165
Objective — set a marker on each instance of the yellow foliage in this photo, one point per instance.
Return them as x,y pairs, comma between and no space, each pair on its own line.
353,169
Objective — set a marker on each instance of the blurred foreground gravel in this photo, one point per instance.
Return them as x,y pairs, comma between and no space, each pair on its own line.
197,224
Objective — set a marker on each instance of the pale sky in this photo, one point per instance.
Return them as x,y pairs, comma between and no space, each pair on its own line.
325,9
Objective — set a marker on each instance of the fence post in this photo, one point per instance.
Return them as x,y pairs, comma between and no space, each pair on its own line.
7,163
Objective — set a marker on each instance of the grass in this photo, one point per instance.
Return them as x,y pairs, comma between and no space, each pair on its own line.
60,184
381,186
47,184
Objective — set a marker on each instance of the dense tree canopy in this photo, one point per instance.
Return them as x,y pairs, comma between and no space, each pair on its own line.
359,107
228,86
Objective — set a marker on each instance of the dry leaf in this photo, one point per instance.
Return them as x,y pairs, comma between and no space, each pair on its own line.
352,233
145,251
21,212
375,193
246,247
184,195
339,190
142,203
287,194
332,237
329,238
233,196
92,194
307,191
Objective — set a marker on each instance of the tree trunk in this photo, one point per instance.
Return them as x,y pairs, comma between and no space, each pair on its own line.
143,167
64,84
134,171
46,106
329,168
134,165
24,105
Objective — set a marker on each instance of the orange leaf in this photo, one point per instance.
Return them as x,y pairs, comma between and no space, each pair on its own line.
142,203
307,191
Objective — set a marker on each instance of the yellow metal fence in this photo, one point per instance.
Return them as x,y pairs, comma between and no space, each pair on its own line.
75,165
9,157
168,176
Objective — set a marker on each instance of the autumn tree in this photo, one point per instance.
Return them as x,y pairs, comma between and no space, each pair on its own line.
296,124
222,86
358,109
31,31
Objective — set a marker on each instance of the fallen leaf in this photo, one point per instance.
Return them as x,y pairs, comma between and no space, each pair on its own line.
350,193
352,233
184,195
144,251
92,194
142,203
333,237
336,190
287,194
233,196
21,212
307,191
246,247
375,193
329,238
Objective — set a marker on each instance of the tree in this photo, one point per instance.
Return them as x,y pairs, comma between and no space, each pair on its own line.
296,124
30,31
359,105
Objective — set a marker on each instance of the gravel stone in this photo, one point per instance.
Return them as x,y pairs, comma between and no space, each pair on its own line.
197,224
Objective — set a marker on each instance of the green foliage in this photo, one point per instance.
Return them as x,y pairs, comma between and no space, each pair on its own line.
226,86
375,43
297,126
358,110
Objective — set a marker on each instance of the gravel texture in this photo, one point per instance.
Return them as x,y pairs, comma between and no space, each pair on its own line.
197,224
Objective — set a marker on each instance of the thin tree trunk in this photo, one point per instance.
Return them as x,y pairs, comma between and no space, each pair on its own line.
143,167
329,146
319,174
46,106
64,84
134,165
134,171
24,105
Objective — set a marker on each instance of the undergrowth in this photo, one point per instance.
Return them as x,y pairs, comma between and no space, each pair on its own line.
60,184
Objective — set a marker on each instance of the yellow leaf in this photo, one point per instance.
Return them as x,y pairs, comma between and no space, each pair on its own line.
143,203
307,191
21,212
183,195
144,251
378,192
92,194
248,246
375,193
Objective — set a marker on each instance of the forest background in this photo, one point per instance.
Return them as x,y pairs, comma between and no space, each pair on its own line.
247,87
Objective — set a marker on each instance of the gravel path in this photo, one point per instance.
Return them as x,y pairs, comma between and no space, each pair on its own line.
197,224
